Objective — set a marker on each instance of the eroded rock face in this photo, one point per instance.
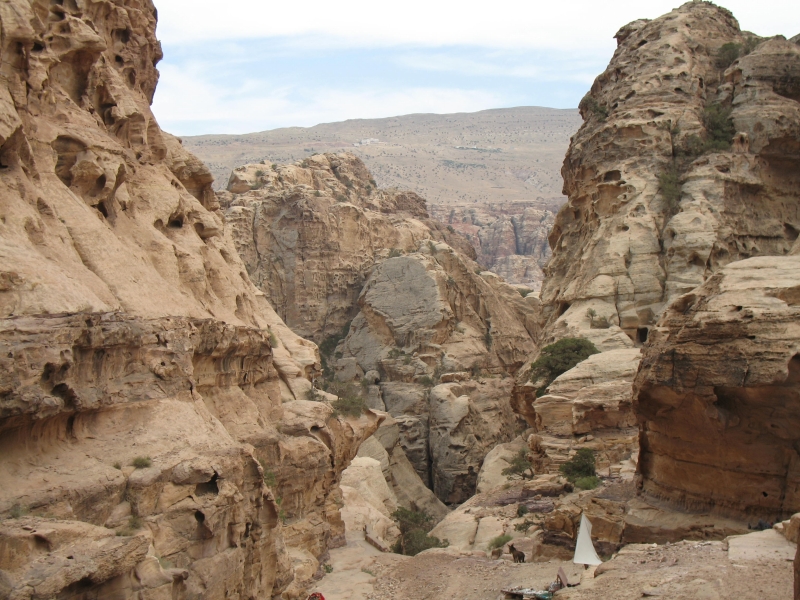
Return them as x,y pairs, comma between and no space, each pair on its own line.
717,395
130,329
510,239
625,244
443,342
309,233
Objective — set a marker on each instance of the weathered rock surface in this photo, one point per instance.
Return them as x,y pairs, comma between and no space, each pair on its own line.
717,395
428,326
624,246
510,239
310,232
130,329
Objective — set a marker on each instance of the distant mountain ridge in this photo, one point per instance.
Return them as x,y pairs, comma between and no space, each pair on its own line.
480,172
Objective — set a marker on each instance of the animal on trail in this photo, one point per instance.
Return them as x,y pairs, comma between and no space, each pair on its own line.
519,557
497,553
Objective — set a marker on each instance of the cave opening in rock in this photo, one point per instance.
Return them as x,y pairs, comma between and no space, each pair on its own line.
208,487
641,334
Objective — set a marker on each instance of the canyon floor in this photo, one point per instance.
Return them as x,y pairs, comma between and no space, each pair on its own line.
756,565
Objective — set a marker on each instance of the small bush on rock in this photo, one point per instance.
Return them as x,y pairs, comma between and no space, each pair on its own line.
587,483
142,462
499,541
414,538
556,359
519,467
580,466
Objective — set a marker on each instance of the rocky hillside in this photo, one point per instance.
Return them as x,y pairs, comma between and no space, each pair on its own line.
399,305
156,438
309,233
663,190
680,236
482,173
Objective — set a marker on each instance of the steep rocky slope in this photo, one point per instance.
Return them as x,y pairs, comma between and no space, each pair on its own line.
397,302
479,171
156,439
650,214
680,236
310,232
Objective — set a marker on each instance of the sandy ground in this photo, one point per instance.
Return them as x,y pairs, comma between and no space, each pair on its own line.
756,566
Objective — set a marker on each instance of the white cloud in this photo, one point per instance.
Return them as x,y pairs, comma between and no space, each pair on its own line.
185,101
565,24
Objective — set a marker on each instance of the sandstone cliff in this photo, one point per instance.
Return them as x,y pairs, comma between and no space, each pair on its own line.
658,199
156,438
397,302
310,232
680,237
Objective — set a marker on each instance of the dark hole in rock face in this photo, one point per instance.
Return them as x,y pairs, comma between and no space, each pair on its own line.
122,36
612,176
794,370
37,47
641,334
118,59
563,307
67,149
765,494
175,223
67,394
790,232
101,207
209,487
199,516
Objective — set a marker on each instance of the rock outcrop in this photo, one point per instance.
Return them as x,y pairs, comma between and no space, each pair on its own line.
510,239
441,343
310,232
661,193
398,303
718,396
156,438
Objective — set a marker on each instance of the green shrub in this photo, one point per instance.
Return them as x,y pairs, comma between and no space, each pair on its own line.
142,462
524,526
273,340
18,511
426,381
135,523
727,54
592,106
499,541
559,358
519,467
414,538
317,193
587,483
522,510
524,293
450,229
349,405
579,466
117,465
395,252
260,173
670,186
269,475
328,568
719,127
341,198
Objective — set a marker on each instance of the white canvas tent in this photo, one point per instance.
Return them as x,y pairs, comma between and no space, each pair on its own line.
585,553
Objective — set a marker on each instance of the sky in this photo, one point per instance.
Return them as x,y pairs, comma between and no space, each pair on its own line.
259,64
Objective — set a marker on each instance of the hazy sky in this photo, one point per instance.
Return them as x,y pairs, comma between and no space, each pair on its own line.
237,66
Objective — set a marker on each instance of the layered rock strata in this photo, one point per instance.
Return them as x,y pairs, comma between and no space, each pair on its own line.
437,344
718,396
310,232
510,239
397,301
650,215
156,440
